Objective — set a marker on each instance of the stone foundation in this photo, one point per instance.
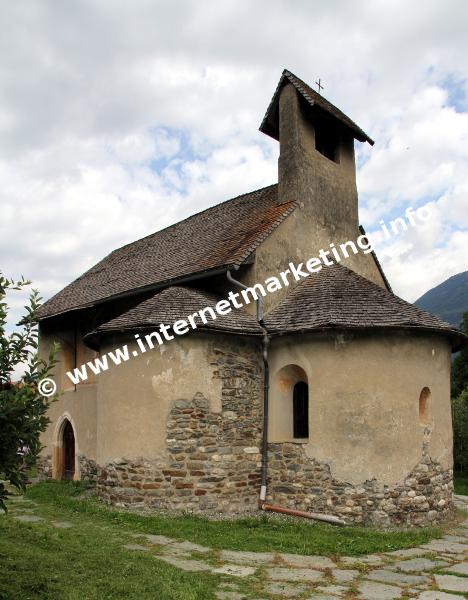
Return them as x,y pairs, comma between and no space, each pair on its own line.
296,481
44,467
88,468
227,480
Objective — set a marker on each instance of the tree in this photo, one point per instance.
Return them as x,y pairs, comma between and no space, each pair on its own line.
460,405
460,432
460,364
22,408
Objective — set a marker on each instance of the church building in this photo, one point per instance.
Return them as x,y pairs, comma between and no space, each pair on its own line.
330,395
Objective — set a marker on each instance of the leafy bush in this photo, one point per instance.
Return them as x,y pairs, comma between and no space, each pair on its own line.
460,432
22,408
460,405
460,364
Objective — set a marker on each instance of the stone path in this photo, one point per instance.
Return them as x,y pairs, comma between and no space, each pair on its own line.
437,570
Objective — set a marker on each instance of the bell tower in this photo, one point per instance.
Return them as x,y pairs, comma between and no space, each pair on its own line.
316,166
317,169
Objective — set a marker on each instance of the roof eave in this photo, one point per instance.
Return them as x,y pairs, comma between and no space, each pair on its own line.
146,288
458,339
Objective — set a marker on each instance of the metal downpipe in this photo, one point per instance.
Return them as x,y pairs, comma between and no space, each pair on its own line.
266,390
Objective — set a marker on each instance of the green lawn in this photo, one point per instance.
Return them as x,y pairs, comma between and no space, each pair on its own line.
461,483
87,562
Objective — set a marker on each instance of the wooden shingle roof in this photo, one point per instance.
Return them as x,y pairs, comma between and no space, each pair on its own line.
220,237
177,302
338,298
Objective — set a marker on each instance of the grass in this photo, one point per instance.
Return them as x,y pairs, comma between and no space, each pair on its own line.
461,483
87,562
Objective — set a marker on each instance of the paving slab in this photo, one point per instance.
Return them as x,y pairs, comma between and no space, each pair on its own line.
185,564
319,596
447,547
28,518
435,595
454,538
452,557
249,558
223,595
344,575
62,524
299,575
415,565
394,578
309,562
461,568
235,570
408,552
177,552
369,590
188,547
136,547
370,559
158,540
286,590
332,589
452,583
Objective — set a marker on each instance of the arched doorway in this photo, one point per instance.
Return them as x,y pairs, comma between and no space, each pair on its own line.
68,450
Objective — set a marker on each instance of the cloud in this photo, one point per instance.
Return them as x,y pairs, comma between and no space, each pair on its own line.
118,119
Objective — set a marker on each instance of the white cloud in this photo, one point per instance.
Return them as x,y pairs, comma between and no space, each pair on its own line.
117,119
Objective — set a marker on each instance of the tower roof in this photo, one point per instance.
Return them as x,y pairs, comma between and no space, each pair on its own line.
270,124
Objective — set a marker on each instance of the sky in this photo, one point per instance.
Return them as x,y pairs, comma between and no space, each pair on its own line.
120,118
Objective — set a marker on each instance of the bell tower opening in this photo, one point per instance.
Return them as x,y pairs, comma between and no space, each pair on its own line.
327,141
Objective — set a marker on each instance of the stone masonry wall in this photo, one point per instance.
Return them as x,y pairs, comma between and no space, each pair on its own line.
44,466
425,497
88,467
212,459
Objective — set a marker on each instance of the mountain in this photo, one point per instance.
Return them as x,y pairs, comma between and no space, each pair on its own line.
448,300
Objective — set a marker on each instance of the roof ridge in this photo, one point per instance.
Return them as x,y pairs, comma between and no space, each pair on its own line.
210,240
196,215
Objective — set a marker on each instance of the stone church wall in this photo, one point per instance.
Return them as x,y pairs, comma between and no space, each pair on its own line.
209,461
212,459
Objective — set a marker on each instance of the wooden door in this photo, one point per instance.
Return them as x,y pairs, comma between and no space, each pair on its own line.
68,452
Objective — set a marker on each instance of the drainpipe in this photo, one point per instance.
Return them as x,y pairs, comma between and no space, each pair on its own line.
266,388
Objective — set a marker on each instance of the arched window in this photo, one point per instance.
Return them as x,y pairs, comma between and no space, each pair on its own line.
424,407
301,410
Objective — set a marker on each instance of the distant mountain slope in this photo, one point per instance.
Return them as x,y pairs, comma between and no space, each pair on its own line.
449,300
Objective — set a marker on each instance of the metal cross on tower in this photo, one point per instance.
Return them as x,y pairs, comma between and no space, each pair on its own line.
319,85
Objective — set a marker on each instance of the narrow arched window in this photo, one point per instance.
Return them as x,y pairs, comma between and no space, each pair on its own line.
301,410
424,406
